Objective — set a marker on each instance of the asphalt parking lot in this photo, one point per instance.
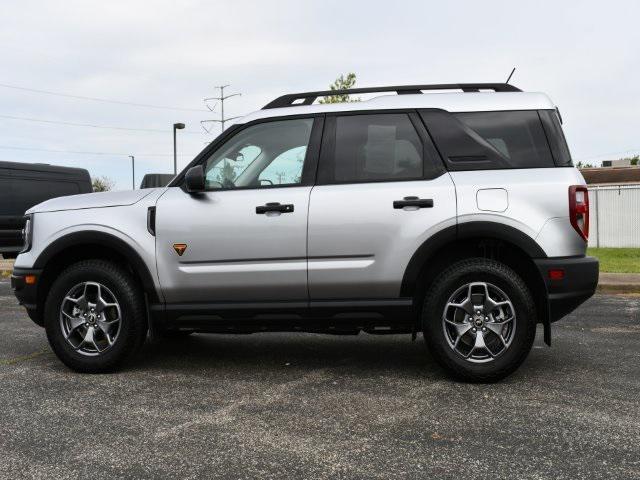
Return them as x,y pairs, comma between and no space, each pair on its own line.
311,406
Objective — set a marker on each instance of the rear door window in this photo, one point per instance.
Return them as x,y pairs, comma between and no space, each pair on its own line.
372,148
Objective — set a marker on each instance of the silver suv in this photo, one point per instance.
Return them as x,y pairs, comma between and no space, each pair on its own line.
450,210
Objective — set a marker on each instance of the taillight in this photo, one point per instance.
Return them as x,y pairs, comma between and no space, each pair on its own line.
579,209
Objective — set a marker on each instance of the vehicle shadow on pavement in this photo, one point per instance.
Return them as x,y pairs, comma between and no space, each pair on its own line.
265,351
362,355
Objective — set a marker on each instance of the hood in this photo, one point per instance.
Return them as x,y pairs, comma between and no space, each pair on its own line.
91,200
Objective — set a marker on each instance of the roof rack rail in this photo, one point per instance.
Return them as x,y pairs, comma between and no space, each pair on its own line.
293,99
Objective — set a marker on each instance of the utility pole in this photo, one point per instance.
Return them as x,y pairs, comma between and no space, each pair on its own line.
133,172
176,126
220,99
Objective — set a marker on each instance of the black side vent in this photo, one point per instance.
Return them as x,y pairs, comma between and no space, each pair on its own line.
151,220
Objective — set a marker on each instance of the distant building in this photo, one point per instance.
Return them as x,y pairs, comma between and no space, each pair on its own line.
623,162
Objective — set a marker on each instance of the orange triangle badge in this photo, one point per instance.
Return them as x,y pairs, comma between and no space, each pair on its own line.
179,248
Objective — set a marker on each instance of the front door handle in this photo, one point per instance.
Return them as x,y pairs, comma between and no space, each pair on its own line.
274,207
413,202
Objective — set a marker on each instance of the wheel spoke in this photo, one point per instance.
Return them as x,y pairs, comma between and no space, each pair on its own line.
89,339
106,326
80,302
496,327
101,305
461,328
74,323
479,344
490,304
466,304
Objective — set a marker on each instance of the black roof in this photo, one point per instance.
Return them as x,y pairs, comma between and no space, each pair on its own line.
293,99
155,180
43,167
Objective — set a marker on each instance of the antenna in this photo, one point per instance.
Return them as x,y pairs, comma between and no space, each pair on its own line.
510,75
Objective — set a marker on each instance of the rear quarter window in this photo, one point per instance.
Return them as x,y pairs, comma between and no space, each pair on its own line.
490,140
556,138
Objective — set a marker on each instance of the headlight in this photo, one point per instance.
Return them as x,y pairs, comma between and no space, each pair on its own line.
27,234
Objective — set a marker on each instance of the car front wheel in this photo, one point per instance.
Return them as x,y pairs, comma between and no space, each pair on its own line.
95,316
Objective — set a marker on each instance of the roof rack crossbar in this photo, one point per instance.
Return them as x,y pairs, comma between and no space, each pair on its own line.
307,98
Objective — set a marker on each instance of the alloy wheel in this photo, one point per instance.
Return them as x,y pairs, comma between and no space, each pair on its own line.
479,322
90,318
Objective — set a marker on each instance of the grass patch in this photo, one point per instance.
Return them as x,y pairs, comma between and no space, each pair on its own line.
617,260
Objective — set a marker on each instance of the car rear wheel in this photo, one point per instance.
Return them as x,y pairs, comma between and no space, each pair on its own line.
479,320
95,316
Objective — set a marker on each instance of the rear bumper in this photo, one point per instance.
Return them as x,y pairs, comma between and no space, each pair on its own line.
27,294
578,284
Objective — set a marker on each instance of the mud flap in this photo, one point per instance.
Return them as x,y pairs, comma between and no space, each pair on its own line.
547,332
546,323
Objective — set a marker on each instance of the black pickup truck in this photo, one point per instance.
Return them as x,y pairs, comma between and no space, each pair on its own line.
23,185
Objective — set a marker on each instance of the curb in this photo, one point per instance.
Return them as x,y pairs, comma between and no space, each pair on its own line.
611,288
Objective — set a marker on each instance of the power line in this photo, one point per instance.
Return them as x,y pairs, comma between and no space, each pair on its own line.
632,150
72,124
221,99
105,100
115,154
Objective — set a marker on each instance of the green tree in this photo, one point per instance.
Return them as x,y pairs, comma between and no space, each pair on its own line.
102,184
227,173
342,83
584,165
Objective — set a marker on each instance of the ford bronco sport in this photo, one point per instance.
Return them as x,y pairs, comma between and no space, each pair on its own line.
457,214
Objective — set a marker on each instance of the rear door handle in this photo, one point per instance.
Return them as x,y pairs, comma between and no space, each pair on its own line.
413,202
274,207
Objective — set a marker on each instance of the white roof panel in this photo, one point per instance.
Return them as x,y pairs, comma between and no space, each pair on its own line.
451,102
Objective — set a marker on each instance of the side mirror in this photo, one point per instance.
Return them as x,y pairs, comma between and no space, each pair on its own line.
194,179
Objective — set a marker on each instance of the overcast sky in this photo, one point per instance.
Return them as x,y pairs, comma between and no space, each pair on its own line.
584,54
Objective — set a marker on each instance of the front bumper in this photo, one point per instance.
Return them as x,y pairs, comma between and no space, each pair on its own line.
578,283
27,294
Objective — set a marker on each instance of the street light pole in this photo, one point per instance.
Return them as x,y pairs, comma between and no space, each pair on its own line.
176,126
133,172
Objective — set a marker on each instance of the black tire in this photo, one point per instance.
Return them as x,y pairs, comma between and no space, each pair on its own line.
38,320
448,282
133,322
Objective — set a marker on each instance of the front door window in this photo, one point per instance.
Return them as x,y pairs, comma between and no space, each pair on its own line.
265,155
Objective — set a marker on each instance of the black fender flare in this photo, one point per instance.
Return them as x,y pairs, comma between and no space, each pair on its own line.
471,230
103,239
